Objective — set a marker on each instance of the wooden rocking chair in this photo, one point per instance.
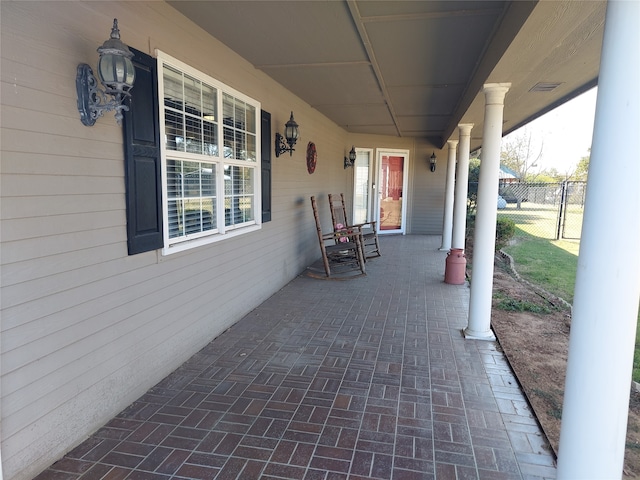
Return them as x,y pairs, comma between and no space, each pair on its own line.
341,251
368,231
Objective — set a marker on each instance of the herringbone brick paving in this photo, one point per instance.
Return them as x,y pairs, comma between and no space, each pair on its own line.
368,378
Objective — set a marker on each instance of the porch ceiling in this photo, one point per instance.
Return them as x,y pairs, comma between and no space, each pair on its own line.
414,68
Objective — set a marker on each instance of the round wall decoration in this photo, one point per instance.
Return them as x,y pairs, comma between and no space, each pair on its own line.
312,157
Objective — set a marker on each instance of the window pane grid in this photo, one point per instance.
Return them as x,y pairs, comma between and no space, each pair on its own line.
251,147
239,129
191,197
190,114
229,144
239,198
192,96
207,125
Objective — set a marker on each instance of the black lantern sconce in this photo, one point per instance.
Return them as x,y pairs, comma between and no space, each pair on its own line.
117,74
350,161
291,135
432,162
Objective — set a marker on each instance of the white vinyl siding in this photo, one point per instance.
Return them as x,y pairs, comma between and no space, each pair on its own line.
197,165
86,328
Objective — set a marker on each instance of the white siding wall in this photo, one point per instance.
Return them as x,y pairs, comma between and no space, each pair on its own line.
86,329
428,190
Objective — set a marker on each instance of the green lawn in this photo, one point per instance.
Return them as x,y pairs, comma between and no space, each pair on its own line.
541,220
548,263
552,264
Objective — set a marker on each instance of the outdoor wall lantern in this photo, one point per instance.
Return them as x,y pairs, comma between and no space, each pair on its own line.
291,134
432,162
350,161
117,74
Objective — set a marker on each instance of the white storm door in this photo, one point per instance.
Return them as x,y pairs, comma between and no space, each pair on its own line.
392,182
363,187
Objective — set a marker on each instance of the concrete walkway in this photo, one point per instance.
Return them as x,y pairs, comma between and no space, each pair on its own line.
367,378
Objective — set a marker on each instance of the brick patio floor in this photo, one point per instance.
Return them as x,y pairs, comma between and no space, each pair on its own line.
368,378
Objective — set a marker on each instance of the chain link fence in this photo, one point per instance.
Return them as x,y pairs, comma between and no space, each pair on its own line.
547,210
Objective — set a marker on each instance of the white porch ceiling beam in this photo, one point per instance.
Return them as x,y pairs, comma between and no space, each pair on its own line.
366,43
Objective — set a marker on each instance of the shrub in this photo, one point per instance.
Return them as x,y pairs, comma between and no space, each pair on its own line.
471,225
505,230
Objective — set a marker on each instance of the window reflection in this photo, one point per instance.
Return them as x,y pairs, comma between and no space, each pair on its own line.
190,114
238,194
191,189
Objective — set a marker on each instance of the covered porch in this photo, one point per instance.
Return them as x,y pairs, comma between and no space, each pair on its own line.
368,378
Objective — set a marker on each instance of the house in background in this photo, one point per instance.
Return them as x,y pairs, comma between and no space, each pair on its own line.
506,175
510,193
127,249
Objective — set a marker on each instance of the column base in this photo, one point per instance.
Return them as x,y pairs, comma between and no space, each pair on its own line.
444,249
473,335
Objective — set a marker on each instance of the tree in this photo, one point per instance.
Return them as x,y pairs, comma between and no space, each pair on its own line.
474,176
582,168
520,153
549,176
554,175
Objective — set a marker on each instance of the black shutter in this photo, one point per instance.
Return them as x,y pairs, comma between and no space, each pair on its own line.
266,165
142,159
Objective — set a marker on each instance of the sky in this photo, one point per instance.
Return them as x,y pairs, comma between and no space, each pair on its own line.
565,131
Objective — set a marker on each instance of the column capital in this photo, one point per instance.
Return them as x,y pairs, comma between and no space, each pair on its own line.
465,128
452,143
495,92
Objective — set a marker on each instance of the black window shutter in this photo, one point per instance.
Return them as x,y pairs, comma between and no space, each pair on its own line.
266,165
142,159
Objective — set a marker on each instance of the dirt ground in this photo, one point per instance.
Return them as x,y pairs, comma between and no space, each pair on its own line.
536,345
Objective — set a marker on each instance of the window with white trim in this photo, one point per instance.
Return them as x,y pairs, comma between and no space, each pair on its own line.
211,173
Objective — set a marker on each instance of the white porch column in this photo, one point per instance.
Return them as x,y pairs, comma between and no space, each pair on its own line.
484,237
462,187
607,291
447,224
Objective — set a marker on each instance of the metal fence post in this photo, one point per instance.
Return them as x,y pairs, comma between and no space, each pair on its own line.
563,201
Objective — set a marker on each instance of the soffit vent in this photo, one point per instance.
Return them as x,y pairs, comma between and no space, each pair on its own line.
545,86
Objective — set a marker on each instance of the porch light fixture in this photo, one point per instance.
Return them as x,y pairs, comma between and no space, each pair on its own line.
432,162
350,161
291,134
117,74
